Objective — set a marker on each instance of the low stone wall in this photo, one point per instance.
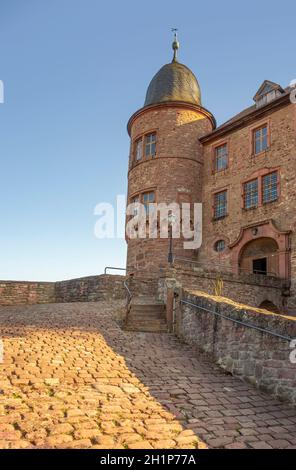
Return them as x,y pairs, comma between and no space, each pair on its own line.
86,289
21,292
257,357
90,289
248,289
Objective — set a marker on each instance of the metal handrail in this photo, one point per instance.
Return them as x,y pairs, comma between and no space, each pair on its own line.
248,325
128,291
112,267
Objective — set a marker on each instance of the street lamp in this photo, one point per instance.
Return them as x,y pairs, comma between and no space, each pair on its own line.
171,221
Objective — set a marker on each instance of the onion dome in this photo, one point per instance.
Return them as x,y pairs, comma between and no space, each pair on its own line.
173,82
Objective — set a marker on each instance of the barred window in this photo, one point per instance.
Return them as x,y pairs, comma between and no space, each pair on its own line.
251,194
148,198
139,149
270,187
220,205
221,157
150,145
260,137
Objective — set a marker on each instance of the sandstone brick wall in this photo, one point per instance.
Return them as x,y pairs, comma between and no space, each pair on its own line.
251,289
86,289
18,293
90,289
255,356
174,174
141,285
244,166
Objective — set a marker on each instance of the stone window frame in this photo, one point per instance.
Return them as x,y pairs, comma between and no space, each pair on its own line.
222,190
214,155
259,125
142,137
259,175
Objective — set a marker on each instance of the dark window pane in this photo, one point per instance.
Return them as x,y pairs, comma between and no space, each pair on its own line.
220,246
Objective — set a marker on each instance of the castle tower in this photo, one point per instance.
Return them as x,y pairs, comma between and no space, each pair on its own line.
166,157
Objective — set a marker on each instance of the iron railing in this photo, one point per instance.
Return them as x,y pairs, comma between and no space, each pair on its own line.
247,325
113,268
129,294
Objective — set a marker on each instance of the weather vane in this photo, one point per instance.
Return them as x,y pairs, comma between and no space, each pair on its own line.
175,44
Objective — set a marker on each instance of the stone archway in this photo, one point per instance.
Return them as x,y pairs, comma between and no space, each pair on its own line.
260,256
268,305
263,230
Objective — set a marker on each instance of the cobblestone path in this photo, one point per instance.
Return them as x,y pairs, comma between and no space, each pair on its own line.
71,378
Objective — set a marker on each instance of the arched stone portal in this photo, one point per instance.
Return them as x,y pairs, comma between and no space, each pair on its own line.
260,256
262,248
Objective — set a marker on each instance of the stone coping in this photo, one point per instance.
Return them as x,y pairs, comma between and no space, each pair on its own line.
281,324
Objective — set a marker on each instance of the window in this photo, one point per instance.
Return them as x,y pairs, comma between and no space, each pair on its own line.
221,157
251,194
135,200
148,198
139,149
270,187
219,246
262,190
220,205
150,145
260,266
260,137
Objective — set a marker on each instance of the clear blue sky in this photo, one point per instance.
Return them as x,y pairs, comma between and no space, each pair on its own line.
74,71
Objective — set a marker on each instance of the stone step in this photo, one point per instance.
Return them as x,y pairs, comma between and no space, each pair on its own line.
147,328
146,315
144,306
145,321
143,301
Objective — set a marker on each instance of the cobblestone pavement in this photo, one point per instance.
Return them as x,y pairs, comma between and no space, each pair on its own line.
72,378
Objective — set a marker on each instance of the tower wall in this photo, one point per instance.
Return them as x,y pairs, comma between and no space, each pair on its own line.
174,174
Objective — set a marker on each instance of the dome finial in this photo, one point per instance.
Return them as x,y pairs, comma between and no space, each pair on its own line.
175,44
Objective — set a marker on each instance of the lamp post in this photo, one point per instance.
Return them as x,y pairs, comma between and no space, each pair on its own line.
171,220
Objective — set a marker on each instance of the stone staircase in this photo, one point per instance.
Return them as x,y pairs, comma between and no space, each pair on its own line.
147,315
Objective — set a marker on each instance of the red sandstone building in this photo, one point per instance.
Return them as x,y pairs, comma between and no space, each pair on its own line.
243,172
